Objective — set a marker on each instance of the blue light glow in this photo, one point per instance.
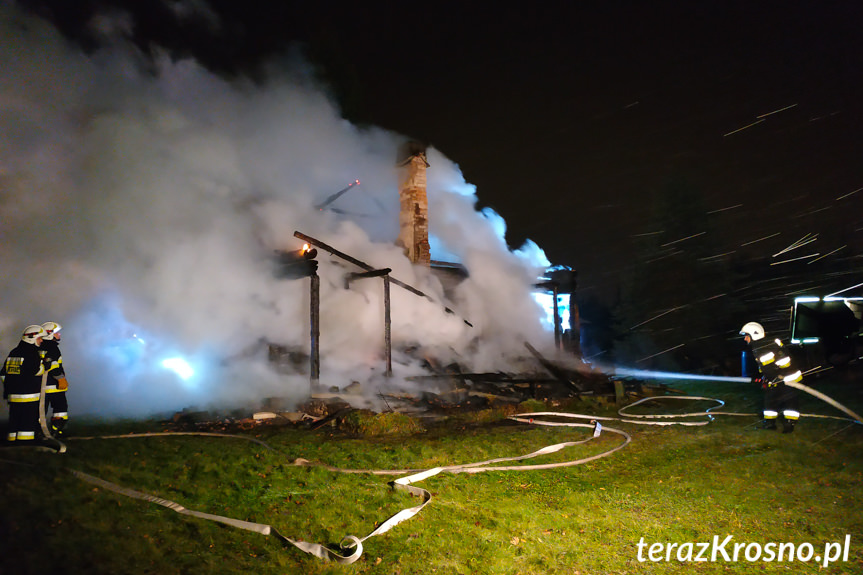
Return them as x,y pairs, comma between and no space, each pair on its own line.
179,366
546,300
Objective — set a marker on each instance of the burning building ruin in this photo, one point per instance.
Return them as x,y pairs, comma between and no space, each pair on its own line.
171,189
553,291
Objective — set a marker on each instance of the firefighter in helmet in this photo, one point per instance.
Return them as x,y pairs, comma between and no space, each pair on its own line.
22,384
775,371
56,384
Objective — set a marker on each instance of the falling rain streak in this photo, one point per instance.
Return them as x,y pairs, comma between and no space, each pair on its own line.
683,239
799,243
657,316
743,128
794,259
660,353
828,254
760,239
673,253
776,111
803,215
760,119
725,209
717,256
849,194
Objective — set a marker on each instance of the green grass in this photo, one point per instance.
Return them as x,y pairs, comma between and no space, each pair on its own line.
368,423
670,485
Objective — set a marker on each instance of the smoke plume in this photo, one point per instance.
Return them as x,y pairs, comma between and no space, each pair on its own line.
140,209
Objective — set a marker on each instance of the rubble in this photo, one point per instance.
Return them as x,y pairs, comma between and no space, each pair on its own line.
445,390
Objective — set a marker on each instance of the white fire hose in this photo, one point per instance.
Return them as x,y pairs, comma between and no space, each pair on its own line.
831,401
48,438
351,547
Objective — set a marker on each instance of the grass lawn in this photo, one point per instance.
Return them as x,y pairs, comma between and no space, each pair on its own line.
671,485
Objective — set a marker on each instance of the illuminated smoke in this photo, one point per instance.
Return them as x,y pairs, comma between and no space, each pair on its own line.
141,212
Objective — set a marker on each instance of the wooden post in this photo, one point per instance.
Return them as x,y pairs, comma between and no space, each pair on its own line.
557,338
315,331
619,394
388,338
388,342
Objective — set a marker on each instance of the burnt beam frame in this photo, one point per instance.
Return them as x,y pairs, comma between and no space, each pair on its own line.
388,339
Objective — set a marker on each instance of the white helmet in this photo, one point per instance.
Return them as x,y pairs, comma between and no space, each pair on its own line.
51,327
753,329
32,333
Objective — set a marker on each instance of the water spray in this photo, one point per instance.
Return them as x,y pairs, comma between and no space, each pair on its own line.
647,374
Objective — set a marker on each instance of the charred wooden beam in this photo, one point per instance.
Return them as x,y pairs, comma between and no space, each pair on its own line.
362,275
486,377
337,195
368,268
558,373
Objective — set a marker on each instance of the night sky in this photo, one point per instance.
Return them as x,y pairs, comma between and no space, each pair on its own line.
578,124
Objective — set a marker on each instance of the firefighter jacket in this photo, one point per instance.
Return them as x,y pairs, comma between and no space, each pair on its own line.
22,374
50,350
774,364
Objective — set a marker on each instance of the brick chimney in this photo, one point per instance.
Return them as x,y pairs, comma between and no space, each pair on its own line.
413,217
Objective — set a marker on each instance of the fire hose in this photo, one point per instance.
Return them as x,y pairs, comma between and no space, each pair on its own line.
351,547
47,437
831,401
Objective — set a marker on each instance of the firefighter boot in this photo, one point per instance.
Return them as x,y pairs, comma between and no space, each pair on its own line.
788,425
768,424
58,425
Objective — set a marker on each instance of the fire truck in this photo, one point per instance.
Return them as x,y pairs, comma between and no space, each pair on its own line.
828,329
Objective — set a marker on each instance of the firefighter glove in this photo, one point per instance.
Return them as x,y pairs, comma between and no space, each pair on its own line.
62,384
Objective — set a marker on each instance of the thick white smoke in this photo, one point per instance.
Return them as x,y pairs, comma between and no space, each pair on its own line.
140,211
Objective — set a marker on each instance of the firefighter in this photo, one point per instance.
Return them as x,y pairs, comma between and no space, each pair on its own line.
56,385
22,385
775,371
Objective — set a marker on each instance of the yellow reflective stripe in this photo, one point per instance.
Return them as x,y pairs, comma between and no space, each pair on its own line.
766,358
784,362
23,397
25,435
793,378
